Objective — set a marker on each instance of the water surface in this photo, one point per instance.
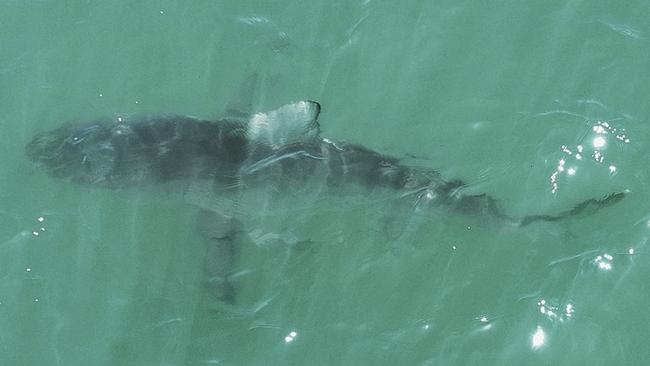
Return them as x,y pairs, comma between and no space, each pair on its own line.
540,104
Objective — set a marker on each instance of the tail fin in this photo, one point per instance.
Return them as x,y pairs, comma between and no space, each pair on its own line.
585,207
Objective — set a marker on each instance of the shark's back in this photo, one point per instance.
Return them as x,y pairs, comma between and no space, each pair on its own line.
249,164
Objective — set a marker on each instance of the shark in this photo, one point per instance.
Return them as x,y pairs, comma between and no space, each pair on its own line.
244,163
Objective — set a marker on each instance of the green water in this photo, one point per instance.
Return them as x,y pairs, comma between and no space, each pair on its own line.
496,94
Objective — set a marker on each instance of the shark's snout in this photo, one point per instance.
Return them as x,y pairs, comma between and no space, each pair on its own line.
42,147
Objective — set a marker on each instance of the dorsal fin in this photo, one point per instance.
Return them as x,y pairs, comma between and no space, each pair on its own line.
295,122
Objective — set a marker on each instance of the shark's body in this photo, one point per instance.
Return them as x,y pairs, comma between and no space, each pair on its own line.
212,163
247,164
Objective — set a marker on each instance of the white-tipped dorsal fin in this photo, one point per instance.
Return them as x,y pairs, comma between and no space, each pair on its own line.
295,122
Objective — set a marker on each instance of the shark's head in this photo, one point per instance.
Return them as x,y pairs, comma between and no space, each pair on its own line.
82,154
136,151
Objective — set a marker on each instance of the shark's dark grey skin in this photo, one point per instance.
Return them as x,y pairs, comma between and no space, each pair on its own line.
216,164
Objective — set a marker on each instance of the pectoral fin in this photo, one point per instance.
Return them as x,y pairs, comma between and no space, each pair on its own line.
221,235
242,103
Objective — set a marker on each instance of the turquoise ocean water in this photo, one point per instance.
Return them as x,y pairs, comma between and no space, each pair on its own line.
540,104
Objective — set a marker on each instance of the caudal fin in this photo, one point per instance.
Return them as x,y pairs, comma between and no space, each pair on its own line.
583,208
